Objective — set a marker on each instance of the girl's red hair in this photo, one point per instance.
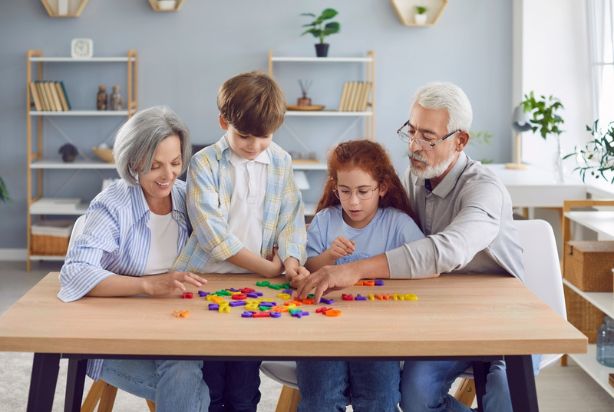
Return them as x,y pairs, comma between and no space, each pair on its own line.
373,159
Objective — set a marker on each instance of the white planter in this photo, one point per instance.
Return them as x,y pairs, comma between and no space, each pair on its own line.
167,4
420,19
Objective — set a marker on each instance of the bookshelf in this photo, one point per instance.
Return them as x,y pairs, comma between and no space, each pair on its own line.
365,117
42,203
602,223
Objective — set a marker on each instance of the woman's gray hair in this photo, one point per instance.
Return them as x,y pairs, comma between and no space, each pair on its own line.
447,96
137,140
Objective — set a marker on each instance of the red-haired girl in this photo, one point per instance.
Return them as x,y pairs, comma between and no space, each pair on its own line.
364,211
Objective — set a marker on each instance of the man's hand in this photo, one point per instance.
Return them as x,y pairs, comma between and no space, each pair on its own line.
341,247
168,283
326,279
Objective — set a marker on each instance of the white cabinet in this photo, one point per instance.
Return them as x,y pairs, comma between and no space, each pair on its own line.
42,160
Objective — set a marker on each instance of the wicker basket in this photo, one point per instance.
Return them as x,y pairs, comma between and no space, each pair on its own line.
588,264
584,316
50,238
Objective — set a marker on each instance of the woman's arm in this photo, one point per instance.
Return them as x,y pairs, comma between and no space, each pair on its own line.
153,285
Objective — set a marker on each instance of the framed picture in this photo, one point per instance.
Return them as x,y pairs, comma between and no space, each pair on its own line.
81,48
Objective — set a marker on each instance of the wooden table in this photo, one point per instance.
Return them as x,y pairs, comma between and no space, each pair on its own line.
459,316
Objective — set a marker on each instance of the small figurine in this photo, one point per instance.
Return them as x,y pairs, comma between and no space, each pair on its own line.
68,152
116,102
101,98
304,100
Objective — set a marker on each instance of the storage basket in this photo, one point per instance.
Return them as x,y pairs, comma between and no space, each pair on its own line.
584,316
588,265
50,238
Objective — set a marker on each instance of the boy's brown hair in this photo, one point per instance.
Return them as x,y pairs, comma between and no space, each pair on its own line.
252,103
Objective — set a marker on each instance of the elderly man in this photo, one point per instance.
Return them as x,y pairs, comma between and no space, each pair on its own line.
466,215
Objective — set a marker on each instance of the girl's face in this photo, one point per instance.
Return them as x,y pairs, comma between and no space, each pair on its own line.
359,195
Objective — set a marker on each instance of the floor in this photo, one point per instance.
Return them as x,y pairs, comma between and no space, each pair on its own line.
559,389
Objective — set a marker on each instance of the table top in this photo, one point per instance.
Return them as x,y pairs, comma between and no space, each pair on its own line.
455,315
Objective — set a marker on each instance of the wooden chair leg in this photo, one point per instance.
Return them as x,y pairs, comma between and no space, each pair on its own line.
108,398
564,360
465,393
288,400
93,396
151,405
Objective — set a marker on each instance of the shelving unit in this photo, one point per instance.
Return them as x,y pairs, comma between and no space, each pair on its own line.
405,11
601,222
367,117
38,165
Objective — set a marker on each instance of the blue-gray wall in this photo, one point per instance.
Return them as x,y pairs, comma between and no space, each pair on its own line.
185,56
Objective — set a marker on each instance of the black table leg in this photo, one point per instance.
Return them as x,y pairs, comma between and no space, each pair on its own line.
521,383
74,384
42,382
480,373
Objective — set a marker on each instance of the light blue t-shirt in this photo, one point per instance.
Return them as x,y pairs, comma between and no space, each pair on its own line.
389,229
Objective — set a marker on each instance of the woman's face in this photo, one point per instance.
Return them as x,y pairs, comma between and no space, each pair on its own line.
166,166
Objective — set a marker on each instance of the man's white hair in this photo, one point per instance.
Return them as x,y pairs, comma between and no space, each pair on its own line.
447,96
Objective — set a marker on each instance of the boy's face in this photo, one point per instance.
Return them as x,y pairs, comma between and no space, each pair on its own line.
245,146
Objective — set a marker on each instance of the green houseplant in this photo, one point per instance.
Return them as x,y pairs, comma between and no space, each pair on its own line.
546,120
597,156
420,16
4,193
321,27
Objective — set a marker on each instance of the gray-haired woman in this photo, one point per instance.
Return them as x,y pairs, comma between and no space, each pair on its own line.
133,231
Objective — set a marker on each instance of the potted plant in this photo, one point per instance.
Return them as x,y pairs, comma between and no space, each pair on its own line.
597,156
420,16
545,119
4,193
320,28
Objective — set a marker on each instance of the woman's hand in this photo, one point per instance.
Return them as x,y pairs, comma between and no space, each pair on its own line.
341,247
168,283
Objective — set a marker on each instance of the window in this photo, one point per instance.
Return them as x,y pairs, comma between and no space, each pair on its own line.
600,15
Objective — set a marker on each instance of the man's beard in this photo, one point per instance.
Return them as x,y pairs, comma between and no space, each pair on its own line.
430,171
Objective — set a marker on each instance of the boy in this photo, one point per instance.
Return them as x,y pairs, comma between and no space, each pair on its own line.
244,206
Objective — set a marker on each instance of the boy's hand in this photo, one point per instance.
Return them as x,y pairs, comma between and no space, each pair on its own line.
169,283
295,273
341,247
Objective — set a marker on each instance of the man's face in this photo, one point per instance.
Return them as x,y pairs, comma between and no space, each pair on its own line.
428,126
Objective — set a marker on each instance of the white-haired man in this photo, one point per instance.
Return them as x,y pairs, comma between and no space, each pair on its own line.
466,215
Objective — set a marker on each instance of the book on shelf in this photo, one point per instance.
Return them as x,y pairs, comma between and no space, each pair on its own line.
355,96
34,97
51,96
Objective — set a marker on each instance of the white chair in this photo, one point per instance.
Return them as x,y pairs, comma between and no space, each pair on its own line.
542,277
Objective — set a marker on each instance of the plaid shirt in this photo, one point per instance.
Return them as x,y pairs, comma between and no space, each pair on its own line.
208,202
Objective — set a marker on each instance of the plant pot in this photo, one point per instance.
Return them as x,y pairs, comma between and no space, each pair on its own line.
420,19
303,101
322,49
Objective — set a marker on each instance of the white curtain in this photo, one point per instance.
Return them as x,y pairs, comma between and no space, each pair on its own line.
600,14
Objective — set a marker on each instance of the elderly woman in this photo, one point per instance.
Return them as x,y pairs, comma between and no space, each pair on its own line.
133,231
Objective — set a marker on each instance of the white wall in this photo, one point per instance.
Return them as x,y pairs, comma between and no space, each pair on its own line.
555,61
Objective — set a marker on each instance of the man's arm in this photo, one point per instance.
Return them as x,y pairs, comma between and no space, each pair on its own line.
472,230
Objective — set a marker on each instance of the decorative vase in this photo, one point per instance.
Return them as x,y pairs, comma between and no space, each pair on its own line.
420,19
303,101
321,49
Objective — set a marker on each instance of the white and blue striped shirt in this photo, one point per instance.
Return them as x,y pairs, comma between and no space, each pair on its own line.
115,240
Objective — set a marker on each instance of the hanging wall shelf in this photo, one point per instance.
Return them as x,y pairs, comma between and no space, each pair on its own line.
166,5
64,8
406,11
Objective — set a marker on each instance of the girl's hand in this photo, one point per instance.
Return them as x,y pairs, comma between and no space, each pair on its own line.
341,247
168,283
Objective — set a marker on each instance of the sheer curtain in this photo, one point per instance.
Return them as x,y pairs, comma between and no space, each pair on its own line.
600,14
